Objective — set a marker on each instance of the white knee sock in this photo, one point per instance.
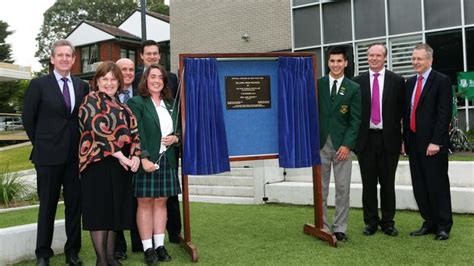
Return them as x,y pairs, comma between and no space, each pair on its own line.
147,244
159,240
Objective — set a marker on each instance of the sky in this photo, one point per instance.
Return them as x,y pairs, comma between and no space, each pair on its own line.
25,18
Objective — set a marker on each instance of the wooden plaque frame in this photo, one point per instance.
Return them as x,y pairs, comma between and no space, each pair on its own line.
315,229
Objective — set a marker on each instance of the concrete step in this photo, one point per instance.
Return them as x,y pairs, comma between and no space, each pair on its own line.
461,174
462,198
221,199
241,181
221,191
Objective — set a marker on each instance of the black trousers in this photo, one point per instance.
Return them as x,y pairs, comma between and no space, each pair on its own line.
173,226
49,181
378,166
430,180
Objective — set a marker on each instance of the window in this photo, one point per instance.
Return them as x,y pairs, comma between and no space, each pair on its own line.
402,19
304,2
401,50
468,14
128,53
89,56
307,28
369,18
337,21
442,13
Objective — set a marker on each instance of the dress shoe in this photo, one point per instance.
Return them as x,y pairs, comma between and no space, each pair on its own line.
42,261
341,236
442,235
422,231
120,255
390,231
73,260
162,254
370,230
150,257
173,238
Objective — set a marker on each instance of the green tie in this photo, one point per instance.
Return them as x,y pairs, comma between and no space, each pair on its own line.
333,90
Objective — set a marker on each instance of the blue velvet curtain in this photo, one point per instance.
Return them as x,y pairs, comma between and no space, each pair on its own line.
205,141
298,129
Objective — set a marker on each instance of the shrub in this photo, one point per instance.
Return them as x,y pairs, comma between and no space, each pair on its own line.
12,187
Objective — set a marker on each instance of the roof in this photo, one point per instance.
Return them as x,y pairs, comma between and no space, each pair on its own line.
159,16
112,30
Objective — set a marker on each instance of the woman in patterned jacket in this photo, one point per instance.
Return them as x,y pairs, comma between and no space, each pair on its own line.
109,149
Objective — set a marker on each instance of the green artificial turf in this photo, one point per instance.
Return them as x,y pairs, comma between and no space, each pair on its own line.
272,234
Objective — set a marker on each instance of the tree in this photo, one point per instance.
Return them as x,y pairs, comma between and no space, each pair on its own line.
5,48
61,18
158,6
8,90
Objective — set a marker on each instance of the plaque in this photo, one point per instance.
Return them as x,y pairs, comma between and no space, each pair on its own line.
247,92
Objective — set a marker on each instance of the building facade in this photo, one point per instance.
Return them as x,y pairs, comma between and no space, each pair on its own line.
315,25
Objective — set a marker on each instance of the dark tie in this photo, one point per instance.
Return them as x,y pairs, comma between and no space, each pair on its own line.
415,104
375,111
333,90
126,96
66,96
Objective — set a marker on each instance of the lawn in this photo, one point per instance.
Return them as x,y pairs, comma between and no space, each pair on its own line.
272,234
16,159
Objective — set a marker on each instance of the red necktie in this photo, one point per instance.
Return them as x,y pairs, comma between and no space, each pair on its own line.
415,104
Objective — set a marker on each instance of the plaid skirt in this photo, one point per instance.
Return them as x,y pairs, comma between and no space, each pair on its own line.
160,183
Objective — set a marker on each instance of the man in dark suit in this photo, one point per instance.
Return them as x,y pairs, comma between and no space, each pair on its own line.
127,68
50,119
339,120
380,137
150,54
428,108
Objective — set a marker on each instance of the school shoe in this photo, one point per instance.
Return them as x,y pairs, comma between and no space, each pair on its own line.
150,257
162,254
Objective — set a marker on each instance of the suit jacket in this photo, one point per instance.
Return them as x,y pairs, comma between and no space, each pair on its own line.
339,119
393,99
52,129
149,128
171,77
433,113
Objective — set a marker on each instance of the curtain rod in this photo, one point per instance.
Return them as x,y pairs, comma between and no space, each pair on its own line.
273,58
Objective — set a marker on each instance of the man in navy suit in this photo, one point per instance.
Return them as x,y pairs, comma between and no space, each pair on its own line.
50,119
428,108
150,54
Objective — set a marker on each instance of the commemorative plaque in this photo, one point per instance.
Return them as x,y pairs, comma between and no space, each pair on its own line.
247,92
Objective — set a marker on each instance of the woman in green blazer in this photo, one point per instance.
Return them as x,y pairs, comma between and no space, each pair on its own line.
157,178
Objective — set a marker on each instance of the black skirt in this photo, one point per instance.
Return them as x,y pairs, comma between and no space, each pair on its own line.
106,196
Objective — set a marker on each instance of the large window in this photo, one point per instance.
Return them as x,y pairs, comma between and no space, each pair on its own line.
442,13
369,17
468,14
448,56
337,21
307,26
404,16
89,56
128,53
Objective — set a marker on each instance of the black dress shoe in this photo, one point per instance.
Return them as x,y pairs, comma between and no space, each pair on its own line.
173,238
120,255
422,231
442,235
162,254
370,230
42,262
390,230
150,257
73,260
341,236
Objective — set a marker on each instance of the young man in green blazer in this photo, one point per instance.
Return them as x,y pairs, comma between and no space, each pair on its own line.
339,120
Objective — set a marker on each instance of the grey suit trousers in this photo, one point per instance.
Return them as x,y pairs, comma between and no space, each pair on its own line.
342,179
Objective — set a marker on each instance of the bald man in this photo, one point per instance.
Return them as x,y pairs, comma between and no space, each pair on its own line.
128,71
